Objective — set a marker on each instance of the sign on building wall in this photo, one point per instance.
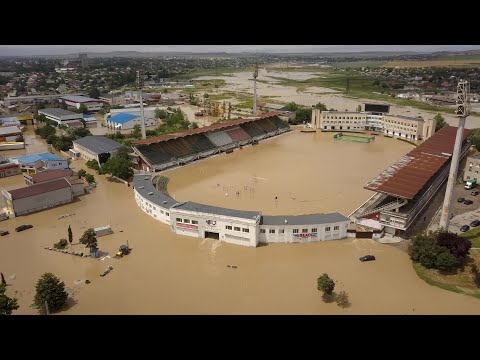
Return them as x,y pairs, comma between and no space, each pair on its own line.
187,226
305,235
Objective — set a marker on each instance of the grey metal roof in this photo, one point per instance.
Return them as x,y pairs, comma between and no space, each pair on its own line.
6,130
144,186
191,206
58,112
98,144
78,98
311,219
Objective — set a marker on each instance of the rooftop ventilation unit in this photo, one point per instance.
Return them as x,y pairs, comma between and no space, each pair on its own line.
141,187
150,193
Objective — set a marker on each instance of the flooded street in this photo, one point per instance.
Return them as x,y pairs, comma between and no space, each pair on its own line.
169,274
307,172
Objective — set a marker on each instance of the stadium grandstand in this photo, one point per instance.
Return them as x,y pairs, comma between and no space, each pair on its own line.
165,151
404,189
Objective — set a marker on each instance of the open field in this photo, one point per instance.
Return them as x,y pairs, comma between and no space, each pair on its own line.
474,236
454,62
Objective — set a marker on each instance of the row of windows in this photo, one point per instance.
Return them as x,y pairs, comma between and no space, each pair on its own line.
478,165
346,118
344,122
296,231
186,221
401,123
470,170
236,228
148,205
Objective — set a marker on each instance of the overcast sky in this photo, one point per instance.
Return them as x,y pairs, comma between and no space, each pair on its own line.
13,50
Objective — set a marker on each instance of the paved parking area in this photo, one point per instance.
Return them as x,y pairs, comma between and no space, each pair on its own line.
462,214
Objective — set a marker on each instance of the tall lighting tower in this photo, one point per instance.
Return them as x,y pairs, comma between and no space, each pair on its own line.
255,75
139,88
463,110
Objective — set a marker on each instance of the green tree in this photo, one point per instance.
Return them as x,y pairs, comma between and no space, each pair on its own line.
4,282
93,164
292,106
83,109
321,106
81,173
446,261
119,167
325,284
122,152
342,299
475,138
63,105
160,114
194,125
439,122
89,178
93,92
359,108
40,106
137,131
51,290
424,249
70,235
89,238
7,304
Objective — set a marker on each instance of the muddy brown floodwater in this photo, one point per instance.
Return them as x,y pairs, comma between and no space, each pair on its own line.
307,172
169,274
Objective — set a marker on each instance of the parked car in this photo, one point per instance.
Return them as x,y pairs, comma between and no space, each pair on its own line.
464,228
475,223
474,193
468,202
23,227
367,258
461,199
4,232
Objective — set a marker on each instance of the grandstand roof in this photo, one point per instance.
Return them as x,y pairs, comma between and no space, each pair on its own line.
201,130
412,172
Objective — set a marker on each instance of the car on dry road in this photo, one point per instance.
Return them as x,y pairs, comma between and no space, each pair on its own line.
464,228
23,227
475,223
468,202
460,200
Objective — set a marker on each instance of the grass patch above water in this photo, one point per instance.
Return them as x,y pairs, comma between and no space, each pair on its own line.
459,282
474,236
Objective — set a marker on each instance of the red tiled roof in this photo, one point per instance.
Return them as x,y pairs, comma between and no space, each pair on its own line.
412,172
201,130
50,175
39,189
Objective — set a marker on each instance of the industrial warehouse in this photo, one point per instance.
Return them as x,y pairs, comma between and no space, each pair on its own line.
404,189
247,228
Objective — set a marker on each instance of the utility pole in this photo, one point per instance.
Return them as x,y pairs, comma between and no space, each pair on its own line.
255,75
139,88
463,110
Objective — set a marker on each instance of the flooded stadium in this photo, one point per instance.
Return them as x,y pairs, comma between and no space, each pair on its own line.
169,274
295,173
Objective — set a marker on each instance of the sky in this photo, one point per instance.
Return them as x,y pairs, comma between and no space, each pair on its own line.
23,50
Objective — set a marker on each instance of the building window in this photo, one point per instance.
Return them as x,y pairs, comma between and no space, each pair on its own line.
179,220
154,215
228,227
154,208
281,231
262,231
271,231
336,227
468,177
245,230
162,212
304,231
476,172
236,228
314,230
186,221
168,214
194,222
327,228
295,231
